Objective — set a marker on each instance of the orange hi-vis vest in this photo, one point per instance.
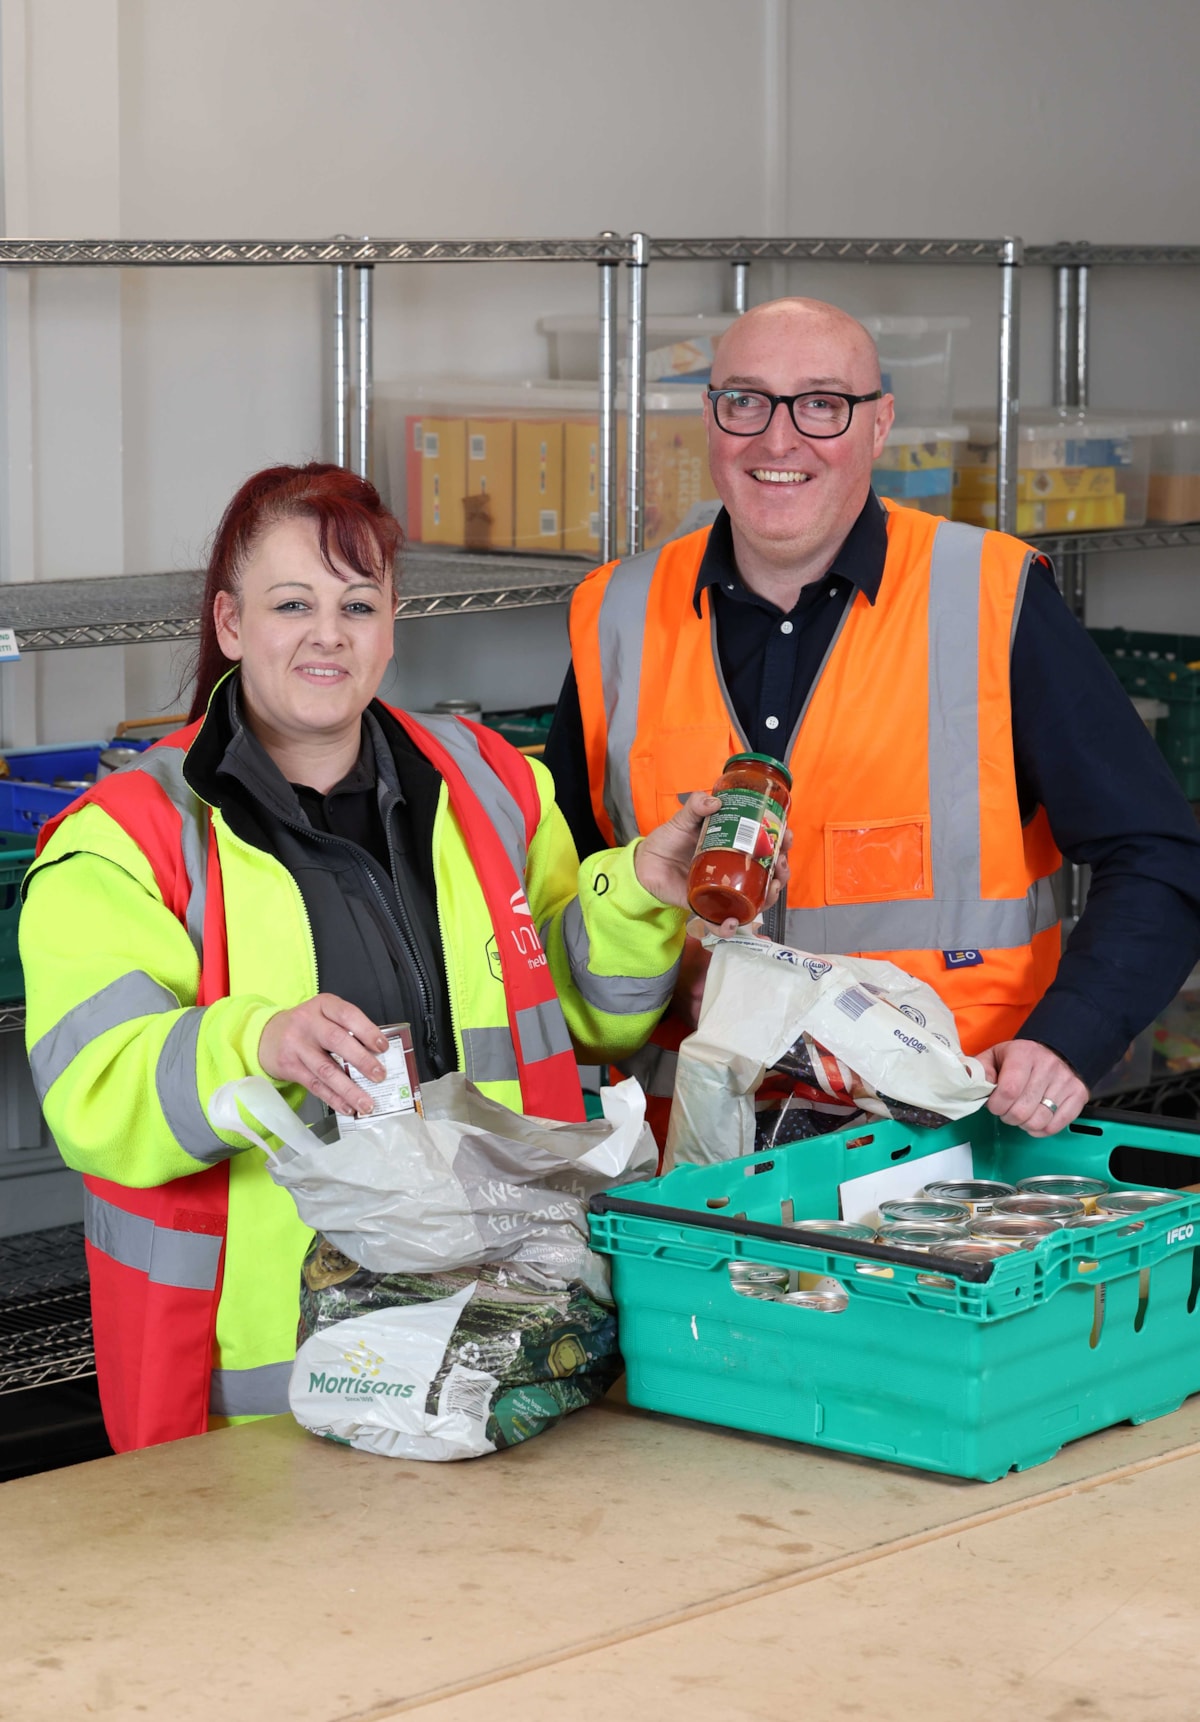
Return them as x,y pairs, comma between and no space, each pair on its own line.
908,842
157,1256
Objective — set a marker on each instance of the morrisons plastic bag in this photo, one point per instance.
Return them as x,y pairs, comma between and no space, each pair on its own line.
450,1304
865,1036
444,1366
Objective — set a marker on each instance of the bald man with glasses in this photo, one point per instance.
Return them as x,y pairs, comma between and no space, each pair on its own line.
951,731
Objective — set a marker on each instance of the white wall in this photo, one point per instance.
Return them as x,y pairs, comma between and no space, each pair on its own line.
136,403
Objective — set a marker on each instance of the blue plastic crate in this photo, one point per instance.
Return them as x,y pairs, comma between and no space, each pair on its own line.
28,797
969,1369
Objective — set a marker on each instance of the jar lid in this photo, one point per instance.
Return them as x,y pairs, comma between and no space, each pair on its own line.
762,759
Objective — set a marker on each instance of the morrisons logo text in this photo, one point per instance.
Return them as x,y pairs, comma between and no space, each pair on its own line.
319,1382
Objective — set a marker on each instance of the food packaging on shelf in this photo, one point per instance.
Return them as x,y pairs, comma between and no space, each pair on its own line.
551,499
917,466
1174,490
915,360
1077,470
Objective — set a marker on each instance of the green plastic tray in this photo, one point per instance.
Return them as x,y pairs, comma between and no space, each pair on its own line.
970,1371
16,853
1156,666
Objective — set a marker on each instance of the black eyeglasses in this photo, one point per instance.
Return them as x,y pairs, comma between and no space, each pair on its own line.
748,412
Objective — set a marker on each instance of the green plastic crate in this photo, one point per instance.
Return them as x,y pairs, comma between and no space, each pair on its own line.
971,1371
1155,666
16,853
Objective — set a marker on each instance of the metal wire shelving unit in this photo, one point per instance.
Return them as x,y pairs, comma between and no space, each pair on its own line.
45,1316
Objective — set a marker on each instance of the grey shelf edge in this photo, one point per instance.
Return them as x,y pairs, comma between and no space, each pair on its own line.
1068,254
135,609
1127,538
45,1312
12,1016
244,253
750,250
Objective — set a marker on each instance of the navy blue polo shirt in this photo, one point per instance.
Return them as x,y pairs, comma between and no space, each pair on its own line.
1079,749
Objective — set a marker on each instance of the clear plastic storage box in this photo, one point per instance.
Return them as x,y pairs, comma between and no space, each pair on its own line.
679,345
1077,471
916,468
1174,492
915,358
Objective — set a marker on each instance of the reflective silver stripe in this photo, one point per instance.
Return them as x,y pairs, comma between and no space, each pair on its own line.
925,925
1020,600
165,766
543,1031
501,808
489,1055
166,1256
261,1392
619,995
954,830
123,1000
175,1083
654,1067
622,628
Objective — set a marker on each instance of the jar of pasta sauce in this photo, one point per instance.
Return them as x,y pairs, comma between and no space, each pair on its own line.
739,843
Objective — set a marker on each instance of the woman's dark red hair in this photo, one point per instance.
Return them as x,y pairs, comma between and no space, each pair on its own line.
351,522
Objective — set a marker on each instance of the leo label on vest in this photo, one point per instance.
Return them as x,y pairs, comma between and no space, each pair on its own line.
962,959
398,1091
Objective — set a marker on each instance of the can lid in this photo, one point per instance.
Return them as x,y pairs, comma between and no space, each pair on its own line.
762,759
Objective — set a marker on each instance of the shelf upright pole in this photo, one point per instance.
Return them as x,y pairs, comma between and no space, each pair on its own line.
741,285
1064,334
362,442
607,499
1082,335
341,364
636,350
1010,385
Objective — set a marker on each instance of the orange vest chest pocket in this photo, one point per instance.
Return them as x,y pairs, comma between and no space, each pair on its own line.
878,861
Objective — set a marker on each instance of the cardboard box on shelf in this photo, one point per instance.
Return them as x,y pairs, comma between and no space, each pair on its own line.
1040,483
414,450
677,475
1089,514
490,495
538,459
581,486
443,480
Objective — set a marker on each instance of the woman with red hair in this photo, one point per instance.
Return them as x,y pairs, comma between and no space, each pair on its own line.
263,891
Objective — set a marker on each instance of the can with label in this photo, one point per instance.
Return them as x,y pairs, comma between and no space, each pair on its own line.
1135,1201
1024,1230
922,1212
975,1194
757,1278
1039,1207
1084,1190
923,1236
850,1229
398,1091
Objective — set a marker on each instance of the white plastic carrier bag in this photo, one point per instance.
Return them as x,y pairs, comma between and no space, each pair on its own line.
891,1035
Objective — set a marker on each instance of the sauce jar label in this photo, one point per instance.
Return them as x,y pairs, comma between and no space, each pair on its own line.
748,823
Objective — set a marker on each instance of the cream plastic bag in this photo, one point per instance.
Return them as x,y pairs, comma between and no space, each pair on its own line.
759,998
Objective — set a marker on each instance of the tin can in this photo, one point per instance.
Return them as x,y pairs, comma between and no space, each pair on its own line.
76,783
1084,1190
922,1235
919,1211
1024,1230
113,758
757,1276
459,708
764,1294
979,1250
399,1089
1135,1201
1087,1222
975,1194
1039,1207
829,1297
850,1229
